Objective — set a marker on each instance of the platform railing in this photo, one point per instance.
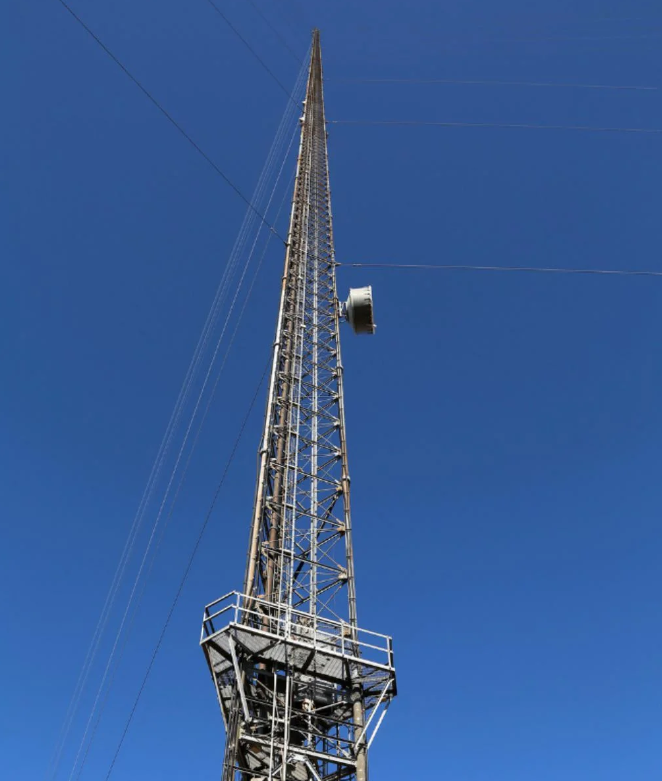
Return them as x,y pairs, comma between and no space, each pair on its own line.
300,626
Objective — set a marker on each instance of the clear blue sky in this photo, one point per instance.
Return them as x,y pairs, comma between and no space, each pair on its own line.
505,430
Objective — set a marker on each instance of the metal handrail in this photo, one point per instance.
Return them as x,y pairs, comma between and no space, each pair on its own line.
322,631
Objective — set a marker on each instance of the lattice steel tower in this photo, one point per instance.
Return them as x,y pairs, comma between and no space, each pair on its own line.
302,688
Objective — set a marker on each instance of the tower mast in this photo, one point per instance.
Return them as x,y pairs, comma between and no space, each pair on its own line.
301,687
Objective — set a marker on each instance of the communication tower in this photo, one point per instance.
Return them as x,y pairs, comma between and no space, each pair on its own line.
302,688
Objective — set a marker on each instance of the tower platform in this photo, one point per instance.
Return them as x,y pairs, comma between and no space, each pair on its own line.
297,677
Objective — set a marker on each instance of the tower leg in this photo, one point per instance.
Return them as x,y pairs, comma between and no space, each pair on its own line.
231,743
358,714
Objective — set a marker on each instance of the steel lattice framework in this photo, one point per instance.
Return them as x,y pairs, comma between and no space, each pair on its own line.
301,687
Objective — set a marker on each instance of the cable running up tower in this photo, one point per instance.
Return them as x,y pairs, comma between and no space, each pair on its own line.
302,689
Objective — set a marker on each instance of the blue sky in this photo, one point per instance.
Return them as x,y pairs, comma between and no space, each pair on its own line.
504,429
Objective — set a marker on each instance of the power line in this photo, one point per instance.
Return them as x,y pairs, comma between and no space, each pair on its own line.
187,570
533,269
210,399
487,82
636,37
274,30
286,18
190,455
299,9
451,44
172,120
163,449
252,51
273,156
503,125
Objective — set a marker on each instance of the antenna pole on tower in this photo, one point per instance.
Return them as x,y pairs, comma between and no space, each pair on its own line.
302,689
